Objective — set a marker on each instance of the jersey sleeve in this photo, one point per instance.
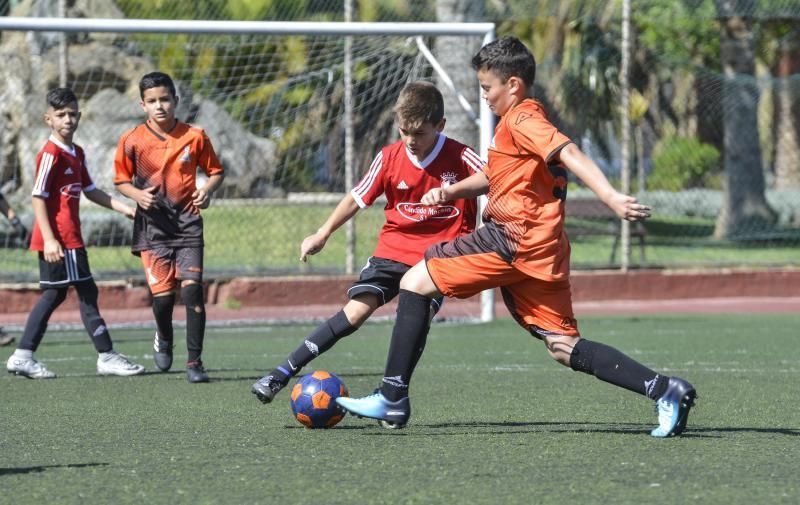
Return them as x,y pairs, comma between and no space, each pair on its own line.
44,174
533,133
371,185
124,161
471,160
207,159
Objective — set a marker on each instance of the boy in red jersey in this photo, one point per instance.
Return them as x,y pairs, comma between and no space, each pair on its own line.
61,176
404,171
522,249
156,166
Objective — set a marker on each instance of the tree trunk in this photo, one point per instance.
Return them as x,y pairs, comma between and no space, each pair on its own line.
744,206
787,114
455,55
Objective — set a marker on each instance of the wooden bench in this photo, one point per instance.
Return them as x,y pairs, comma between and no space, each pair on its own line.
590,209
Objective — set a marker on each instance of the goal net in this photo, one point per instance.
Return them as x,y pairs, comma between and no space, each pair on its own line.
296,112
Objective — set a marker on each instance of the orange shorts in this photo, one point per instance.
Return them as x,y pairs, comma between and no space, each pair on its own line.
537,305
163,266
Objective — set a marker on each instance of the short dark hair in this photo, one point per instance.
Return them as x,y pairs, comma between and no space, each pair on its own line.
420,102
59,98
155,80
507,57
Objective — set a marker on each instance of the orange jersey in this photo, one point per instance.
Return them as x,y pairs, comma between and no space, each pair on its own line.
145,158
527,192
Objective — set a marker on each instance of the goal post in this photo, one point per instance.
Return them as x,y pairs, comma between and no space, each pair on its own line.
253,99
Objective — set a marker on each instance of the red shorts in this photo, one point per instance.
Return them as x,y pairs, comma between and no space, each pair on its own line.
466,266
163,267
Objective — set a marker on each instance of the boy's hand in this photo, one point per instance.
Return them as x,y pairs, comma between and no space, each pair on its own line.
628,208
53,252
19,228
312,245
200,199
146,197
434,197
128,211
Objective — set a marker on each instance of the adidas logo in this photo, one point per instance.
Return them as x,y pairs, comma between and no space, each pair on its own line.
68,171
402,185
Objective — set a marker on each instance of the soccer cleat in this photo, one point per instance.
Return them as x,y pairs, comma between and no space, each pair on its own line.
162,353
673,408
391,415
267,387
28,367
114,363
195,372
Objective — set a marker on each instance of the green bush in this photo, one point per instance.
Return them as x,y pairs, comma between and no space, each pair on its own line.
683,163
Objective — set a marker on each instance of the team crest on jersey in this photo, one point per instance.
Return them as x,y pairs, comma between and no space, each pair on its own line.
186,157
71,190
522,117
419,212
448,178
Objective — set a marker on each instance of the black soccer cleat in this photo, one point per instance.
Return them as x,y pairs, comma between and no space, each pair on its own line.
195,372
267,387
162,353
673,408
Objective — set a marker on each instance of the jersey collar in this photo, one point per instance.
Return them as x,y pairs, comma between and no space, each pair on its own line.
432,156
64,147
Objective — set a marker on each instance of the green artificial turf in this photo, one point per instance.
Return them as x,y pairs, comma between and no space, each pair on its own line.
495,421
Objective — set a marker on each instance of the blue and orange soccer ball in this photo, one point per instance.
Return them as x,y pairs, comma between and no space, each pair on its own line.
314,397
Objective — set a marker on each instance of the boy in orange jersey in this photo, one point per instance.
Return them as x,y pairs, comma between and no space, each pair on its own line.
156,166
61,178
522,249
403,171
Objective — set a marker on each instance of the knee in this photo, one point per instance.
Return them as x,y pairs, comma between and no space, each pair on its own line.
559,347
192,296
54,296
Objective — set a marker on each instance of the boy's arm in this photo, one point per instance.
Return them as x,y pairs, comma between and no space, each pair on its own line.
7,211
53,252
343,212
475,185
144,198
103,199
624,206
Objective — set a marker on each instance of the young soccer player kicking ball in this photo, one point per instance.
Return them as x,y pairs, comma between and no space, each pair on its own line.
522,249
61,176
404,171
156,166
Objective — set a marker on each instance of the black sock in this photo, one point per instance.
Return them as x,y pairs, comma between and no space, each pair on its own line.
192,296
317,342
408,341
90,315
40,314
162,311
610,365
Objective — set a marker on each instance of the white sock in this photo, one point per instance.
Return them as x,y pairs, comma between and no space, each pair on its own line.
23,354
106,355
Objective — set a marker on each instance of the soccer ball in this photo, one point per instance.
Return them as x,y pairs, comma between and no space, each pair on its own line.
313,399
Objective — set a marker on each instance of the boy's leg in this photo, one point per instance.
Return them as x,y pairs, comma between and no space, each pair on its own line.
189,268
22,361
159,268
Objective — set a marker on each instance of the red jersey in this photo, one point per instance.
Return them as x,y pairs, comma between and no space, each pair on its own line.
145,158
527,192
61,177
411,227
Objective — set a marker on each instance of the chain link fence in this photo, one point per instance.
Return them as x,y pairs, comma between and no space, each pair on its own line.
715,145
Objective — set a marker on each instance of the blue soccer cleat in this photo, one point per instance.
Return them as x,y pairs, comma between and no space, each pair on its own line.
673,408
391,415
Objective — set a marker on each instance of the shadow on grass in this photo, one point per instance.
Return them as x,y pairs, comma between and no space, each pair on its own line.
511,427
42,468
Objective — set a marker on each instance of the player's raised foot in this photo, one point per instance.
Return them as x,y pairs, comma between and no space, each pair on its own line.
673,408
114,363
195,372
267,387
391,415
28,367
5,338
162,353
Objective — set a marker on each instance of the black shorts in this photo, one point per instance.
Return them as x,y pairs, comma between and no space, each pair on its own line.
381,277
73,268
